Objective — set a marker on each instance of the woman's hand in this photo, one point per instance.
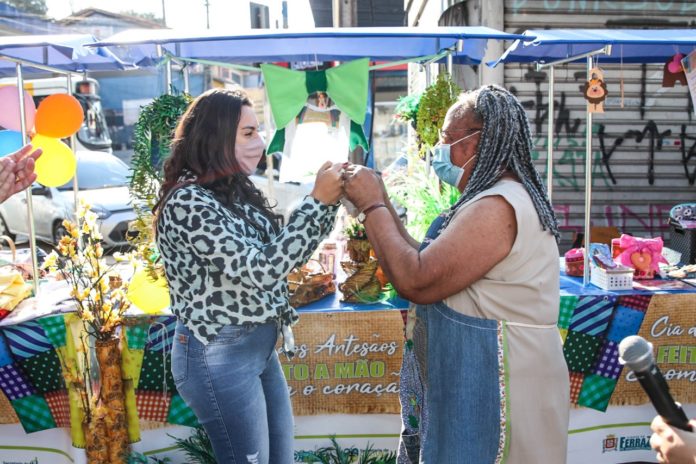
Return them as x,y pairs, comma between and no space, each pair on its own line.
328,185
17,171
673,446
363,187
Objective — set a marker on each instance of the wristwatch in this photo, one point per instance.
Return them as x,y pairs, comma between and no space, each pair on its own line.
363,214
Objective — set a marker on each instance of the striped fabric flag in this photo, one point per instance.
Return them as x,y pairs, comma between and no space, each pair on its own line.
27,339
161,334
5,356
566,309
592,315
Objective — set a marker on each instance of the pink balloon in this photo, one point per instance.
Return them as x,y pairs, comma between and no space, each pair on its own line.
9,116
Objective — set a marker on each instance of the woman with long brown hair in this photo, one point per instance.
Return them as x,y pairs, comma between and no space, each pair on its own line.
227,263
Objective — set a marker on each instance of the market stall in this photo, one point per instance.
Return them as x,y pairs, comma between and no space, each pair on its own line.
344,380
351,352
549,48
611,421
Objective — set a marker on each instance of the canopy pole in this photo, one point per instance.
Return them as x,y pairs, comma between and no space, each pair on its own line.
167,71
185,72
428,81
606,50
588,185
549,136
73,146
269,156
27,192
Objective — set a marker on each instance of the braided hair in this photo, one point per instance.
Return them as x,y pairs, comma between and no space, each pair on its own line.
505,143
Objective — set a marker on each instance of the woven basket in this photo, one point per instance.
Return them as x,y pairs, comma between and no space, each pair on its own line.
10,259
306,287
13,250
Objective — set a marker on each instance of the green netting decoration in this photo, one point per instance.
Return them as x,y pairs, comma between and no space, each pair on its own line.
432,108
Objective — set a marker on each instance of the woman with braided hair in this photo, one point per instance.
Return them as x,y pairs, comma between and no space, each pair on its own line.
483,379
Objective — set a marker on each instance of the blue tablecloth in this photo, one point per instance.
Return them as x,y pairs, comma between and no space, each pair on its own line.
333,302
573,286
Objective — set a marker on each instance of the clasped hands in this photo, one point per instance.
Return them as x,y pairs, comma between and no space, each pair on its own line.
362,186
17,171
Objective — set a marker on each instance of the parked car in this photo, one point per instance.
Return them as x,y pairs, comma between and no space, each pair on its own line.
103,183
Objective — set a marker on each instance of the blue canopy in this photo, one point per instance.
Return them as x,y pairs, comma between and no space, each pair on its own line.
321,44
628,45
66,52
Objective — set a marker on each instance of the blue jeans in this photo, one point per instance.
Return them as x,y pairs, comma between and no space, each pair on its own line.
236,388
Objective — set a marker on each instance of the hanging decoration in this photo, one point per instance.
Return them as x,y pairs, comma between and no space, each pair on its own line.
151,296
673,71
57,165
59,116
10,141
9,102
595,91
152,138
288,91
432,109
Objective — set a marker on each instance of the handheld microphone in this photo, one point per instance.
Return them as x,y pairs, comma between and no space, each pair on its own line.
636,353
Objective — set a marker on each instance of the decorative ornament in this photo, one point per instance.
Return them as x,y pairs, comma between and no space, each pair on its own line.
9,102
57,164
288,90
432,108
59,116
674,72
595,91
151,296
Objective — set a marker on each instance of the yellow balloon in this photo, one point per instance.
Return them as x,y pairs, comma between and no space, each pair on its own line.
57,163
151,296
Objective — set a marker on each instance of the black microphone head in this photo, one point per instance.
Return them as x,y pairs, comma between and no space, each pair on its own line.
636,353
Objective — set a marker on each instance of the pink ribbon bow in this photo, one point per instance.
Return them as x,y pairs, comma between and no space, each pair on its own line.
631,245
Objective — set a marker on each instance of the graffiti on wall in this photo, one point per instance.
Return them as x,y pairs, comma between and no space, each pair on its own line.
568,129
595,6
624,216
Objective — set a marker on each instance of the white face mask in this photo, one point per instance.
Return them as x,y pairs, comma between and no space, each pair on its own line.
249,154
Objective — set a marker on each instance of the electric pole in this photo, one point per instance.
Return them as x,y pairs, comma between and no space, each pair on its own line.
207,14
164,15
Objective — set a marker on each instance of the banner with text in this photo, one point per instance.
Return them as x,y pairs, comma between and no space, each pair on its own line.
346,363
670,325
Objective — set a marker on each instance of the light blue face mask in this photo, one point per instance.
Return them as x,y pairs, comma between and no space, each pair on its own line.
442,164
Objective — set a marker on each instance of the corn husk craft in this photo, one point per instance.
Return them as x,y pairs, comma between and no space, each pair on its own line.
362,285
307,285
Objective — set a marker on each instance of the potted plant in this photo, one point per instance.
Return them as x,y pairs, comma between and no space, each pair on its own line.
96,380
358,245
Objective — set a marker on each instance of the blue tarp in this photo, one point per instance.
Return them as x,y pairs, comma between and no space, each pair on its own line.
321,44
63,51
628,45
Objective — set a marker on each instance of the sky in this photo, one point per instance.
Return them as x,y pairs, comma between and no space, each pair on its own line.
226,15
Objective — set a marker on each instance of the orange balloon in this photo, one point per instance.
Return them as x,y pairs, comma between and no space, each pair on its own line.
59,116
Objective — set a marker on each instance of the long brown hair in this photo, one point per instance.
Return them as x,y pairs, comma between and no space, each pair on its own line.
203,145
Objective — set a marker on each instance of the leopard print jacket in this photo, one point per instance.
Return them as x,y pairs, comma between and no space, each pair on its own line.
219,268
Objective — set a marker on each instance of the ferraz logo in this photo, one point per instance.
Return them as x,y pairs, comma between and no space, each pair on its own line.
631,443
609,443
